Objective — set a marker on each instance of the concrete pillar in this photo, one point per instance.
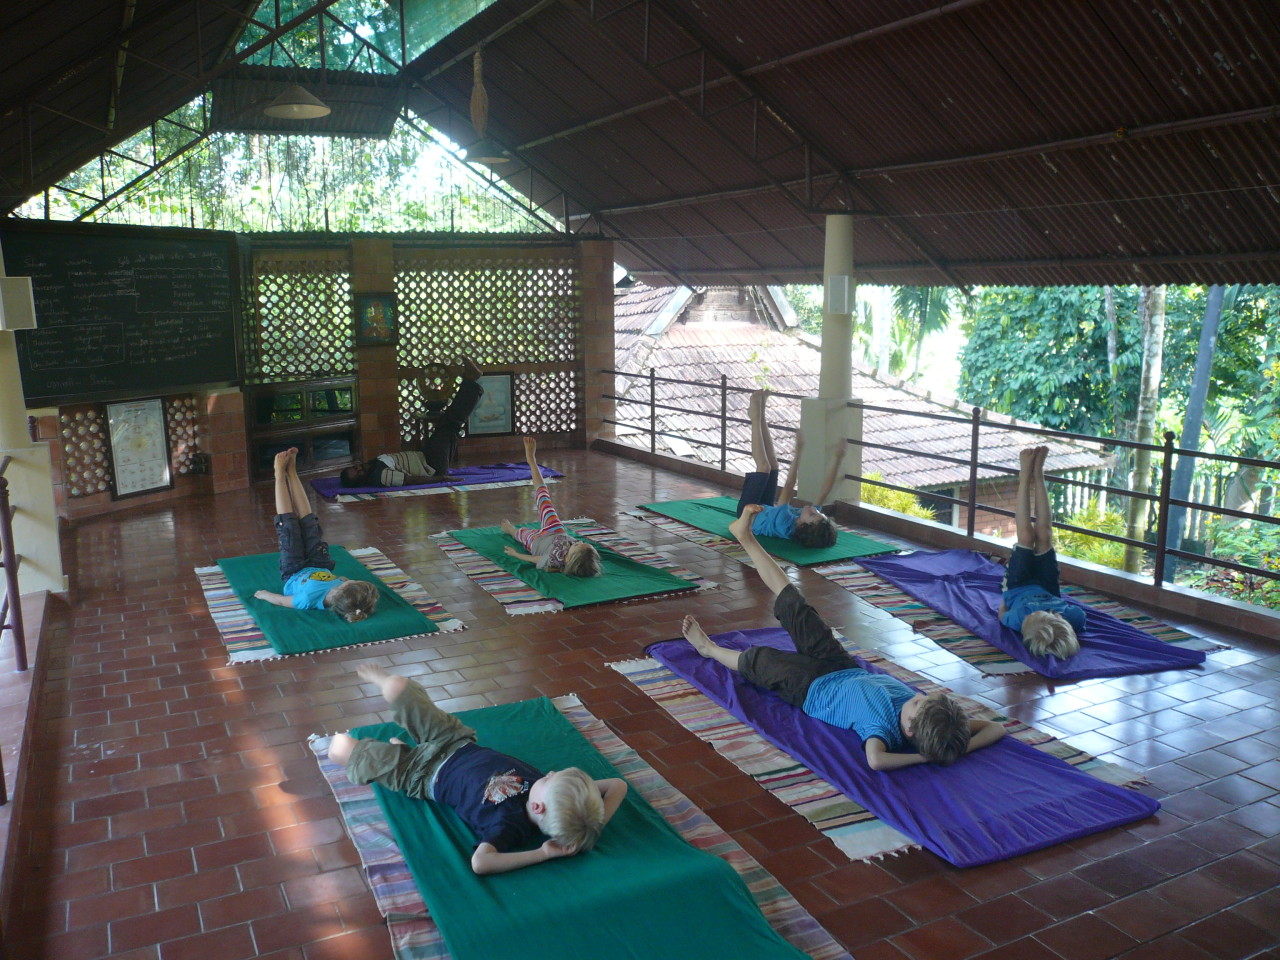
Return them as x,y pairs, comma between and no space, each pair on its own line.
30,476
377,371
595,279
825,420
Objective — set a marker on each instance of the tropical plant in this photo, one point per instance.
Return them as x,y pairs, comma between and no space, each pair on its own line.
1093,516
898,501
924,310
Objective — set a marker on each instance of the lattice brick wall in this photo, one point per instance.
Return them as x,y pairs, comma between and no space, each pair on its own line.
86,450
180,412
514,310
302,325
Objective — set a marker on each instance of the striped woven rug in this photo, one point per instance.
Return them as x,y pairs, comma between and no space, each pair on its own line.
414,936
517,597
245,642
851,827
954,638
730,548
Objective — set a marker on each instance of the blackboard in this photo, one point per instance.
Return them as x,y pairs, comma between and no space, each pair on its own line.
124,311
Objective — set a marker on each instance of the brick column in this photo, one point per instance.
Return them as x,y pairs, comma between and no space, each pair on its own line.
595,266
220,433
378,382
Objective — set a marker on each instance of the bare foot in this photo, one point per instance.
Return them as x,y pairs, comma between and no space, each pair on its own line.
694,633
742,525
389,684
509,529
340,748
1027,458
1042,454
530,447
470,370
282,461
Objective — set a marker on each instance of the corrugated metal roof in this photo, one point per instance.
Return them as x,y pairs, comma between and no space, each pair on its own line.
722,336
977,141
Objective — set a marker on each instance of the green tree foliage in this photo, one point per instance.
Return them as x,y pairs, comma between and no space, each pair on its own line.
896,500
1094,516
918,312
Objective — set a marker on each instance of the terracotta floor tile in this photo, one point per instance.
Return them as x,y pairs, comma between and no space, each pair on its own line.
187,780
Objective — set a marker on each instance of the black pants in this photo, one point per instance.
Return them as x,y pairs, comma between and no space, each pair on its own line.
301,544
789,673
440,448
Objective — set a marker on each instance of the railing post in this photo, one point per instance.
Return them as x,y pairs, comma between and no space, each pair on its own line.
653,411
724,421
976,420
1162,510
13,602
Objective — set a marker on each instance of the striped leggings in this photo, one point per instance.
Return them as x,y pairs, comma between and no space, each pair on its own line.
548,519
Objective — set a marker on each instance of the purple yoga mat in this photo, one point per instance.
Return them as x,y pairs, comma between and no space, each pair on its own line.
965,587
460,477
999,802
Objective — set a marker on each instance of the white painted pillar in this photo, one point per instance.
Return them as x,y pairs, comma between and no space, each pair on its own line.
30,476
825,419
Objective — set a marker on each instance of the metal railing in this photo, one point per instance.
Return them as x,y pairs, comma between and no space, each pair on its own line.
1163,501
11,607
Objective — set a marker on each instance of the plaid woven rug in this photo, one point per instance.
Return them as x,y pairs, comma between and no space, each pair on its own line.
517,597
245,642
954,638
414,936
851,827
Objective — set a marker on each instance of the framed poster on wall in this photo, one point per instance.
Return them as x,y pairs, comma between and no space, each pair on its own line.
138,434
375,319
493,414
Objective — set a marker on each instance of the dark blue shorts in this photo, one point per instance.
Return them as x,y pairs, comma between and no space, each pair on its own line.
759,488
1028,568
301,544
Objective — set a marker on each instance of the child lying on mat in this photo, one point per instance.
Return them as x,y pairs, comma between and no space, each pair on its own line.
898,727
505,801
807,526
431,463
305,565
549,546
1032,602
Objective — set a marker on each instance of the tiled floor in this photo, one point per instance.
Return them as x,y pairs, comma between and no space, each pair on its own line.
180,816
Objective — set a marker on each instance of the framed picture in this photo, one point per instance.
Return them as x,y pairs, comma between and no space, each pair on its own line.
375,318
493,414
138,434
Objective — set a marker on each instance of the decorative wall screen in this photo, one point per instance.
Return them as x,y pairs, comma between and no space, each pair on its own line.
517,311
86,462
300,328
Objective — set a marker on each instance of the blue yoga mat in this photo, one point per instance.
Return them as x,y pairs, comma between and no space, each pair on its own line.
998,802
965,587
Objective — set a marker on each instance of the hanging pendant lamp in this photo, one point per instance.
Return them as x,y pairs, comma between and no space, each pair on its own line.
483,150
297,103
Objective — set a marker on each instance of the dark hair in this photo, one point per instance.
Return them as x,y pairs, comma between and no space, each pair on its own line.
354,600
353,476
816,533
941,730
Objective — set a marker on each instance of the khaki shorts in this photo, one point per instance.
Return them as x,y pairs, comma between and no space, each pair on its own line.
406,769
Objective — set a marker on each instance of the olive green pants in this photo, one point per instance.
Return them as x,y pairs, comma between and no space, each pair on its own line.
410,770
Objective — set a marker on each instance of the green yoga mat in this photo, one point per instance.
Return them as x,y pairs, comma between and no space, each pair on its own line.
304,631
623,577
714,514
641,892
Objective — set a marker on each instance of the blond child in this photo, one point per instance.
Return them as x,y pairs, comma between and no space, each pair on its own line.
898,727
1032,601
306,569
506,802
550,548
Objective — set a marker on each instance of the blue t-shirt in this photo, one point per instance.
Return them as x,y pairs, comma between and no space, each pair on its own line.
777,521
869,704
309,586
490,792
1021,601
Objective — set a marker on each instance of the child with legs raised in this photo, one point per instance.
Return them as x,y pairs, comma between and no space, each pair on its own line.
550,548
898,727
505,801
807,526
306,568
1032,602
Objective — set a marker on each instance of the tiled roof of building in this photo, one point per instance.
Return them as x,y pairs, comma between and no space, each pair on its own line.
721,337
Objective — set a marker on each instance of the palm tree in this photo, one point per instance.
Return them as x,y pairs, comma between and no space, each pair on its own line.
927,310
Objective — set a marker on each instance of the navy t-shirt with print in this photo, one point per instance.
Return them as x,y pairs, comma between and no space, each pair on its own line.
490,792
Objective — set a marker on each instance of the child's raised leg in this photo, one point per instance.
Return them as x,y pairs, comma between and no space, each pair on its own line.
1044,513
761,437
773,576
548,519
284,495
1026,530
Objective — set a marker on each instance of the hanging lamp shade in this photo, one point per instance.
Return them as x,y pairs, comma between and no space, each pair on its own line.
483,150
296,103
